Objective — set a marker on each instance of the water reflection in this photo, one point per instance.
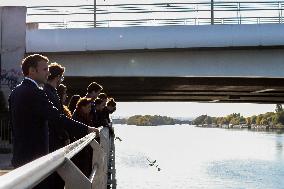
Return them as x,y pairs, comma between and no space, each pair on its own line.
198,158
279,145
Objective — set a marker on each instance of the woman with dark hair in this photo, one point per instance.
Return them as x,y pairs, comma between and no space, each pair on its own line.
82,111
99,119
111,105
62,93
103,97
73,102
83,159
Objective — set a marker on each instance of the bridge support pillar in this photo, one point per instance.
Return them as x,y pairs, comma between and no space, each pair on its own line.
12,45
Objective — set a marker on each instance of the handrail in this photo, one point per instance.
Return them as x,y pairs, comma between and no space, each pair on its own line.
149,14
40,168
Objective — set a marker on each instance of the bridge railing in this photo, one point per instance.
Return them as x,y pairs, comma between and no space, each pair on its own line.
34,172
156,14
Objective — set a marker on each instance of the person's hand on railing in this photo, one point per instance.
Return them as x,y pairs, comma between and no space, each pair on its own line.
93,129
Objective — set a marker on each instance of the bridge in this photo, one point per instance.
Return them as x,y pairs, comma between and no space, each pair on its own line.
234,59
202,63
240,63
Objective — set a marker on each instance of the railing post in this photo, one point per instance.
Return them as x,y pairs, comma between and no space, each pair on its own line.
95,13
99,175
239,11
212,12
72,176
280,12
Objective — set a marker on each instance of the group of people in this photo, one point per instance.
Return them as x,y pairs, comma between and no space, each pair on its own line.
42,122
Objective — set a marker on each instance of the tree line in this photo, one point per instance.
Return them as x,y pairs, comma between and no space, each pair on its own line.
149,120
275,119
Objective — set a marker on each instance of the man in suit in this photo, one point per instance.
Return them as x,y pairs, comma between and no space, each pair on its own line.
30,111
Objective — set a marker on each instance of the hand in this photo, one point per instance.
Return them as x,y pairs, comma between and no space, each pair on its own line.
93,129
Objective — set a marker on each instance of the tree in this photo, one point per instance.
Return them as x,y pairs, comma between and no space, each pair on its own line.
148,120
248,120
253,119
279,118
278,108
208,120
258,119
199,120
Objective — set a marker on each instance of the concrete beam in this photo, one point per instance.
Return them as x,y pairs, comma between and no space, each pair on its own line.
187,63
202,89
12,45
153,38
13,30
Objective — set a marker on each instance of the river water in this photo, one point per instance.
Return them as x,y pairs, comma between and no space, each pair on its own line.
190,157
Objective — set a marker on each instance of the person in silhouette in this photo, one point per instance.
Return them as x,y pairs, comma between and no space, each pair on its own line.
73,102
30,111
82,113
62,93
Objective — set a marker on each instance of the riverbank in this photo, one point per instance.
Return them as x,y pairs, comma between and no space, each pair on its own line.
243,126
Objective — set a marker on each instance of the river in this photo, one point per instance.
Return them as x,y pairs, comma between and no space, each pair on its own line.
190,157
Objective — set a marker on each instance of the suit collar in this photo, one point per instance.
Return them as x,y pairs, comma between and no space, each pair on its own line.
28,80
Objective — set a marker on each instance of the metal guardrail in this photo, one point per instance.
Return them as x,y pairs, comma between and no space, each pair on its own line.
156,14
59,161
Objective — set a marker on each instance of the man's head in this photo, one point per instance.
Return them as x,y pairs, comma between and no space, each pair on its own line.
36,67
94,90
56,73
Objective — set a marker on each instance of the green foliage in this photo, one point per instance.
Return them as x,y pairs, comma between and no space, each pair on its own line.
279,118
278,108
148,120
205,119
199,120
275,119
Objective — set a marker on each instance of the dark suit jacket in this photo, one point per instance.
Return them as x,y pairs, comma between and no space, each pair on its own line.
57,133
30,111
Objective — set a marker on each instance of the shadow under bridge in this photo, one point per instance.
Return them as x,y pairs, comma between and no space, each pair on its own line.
192,89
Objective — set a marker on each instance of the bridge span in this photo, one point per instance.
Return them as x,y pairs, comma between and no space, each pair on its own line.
210,63
219,63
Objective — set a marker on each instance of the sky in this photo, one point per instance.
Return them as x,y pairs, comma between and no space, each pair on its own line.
190,109
173,109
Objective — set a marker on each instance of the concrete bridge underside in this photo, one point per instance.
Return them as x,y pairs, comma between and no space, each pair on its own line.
229,63
197,75
195,89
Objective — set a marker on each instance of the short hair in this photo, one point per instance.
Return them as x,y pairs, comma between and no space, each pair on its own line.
94,87
102,96
111,102
83,102
55,70
32,61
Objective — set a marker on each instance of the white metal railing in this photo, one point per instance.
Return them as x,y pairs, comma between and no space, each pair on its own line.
156,14
31,174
